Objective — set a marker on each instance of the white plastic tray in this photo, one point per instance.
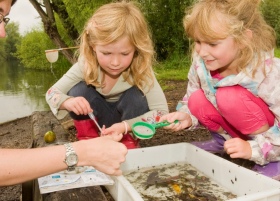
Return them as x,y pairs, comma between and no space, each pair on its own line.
246,184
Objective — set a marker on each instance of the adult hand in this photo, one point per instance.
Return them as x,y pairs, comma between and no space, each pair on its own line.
238,148
183,118
103,153
78,105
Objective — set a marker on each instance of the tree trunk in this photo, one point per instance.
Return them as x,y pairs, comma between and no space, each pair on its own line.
50,27
60,8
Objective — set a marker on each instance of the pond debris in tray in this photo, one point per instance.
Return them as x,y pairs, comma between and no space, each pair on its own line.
153,178
177,182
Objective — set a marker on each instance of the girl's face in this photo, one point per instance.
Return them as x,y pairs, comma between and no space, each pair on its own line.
115,57
218,55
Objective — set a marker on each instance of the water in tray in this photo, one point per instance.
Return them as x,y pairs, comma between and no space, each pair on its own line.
176,182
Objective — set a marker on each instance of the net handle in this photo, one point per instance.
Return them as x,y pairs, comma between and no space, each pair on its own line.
65,48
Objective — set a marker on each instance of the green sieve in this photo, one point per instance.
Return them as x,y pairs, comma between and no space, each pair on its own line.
144,130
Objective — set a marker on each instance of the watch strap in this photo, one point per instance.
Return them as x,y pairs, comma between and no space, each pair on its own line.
69,150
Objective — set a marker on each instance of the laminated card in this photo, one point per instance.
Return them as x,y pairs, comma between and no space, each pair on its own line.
80,177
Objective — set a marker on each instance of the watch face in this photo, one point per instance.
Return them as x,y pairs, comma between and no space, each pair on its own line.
72,159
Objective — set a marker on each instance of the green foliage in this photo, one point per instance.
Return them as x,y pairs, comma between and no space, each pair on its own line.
13,38
271,12
80,11
31,50
277,53
9,44
63,33
3,54
165,18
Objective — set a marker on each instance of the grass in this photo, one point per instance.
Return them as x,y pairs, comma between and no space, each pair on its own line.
177,68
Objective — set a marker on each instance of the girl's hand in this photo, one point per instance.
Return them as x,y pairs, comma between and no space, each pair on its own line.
183,118
78,105
116,129
238,148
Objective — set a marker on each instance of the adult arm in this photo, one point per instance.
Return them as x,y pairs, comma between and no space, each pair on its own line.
20,165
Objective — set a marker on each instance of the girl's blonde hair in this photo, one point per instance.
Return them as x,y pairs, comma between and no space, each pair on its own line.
108,24
237,18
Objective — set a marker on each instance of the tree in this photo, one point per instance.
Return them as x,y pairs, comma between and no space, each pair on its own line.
13,38
3,54
63,20
80,11
166,20
271,12
27,47
46,10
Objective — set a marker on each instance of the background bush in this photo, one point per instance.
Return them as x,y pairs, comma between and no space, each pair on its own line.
164,17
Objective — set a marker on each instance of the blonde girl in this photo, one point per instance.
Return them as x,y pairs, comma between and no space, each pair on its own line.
113,78
232,87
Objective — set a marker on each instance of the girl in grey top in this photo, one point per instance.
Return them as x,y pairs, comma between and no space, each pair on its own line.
113,77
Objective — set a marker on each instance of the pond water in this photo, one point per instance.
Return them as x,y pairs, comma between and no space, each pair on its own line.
176,182
22,91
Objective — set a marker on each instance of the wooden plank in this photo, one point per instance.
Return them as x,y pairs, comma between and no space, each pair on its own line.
93,193
41,123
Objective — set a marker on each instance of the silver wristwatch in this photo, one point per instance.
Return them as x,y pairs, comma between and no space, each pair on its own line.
71,158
